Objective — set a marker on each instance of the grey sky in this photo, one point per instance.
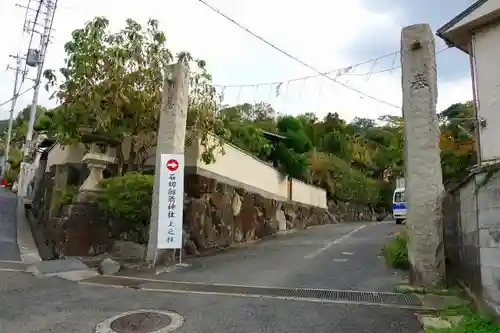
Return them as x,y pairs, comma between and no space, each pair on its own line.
407,12
324,33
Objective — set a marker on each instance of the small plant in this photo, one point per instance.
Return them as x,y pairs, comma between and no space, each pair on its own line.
67,195
471,322
126,202
64,197
396,251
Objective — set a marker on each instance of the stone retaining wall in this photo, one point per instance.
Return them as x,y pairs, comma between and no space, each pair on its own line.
216,215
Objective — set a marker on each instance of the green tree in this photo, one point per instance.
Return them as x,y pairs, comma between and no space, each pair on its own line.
337,144
457,141
392,121
289,155
246,123
112,83
357,161
20,124
362,123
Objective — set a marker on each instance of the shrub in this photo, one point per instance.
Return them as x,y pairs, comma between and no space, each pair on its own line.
396,251
64,197
126,202
11,176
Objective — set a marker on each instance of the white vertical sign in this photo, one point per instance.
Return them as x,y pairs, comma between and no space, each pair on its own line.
171,201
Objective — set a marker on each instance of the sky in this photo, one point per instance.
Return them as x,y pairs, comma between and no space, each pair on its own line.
326,34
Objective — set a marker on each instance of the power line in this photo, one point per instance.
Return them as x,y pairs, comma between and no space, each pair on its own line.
270,83
26,28
50,8
295,58
18,95
388,69
395,53
314,75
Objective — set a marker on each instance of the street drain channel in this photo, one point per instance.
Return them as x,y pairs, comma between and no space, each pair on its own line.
375,298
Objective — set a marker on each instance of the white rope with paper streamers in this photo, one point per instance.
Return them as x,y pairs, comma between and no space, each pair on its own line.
282,89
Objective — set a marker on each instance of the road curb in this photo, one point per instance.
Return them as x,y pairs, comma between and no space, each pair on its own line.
28,251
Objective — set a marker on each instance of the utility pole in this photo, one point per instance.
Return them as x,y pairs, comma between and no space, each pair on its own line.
50,7
18,70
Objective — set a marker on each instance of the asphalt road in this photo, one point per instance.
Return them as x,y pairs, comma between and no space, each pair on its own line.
343,256
337,256
8,238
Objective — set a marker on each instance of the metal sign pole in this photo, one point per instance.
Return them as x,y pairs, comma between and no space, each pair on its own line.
181,264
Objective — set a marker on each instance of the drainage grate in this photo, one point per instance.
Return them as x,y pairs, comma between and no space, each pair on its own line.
382,298
332,295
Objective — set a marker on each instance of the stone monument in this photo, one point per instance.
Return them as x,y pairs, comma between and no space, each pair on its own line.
170,140
424,183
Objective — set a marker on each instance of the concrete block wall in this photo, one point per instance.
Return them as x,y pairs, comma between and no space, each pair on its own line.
488,213
478,236
469,240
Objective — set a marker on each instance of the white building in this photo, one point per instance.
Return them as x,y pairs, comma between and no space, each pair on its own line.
476,31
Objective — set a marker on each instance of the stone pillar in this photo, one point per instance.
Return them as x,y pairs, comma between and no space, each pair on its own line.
424,183
170,140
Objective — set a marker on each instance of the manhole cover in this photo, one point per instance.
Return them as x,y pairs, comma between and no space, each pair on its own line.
141,321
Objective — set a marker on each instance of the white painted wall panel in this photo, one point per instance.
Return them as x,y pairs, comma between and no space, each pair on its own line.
486,44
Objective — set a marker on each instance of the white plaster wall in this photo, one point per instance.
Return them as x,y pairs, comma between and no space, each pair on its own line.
62,155
486,44
243,168
307,194
235,165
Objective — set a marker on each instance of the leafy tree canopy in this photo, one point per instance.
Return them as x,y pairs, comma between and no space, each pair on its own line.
112,83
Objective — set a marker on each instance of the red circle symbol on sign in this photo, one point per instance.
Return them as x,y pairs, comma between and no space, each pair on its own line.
172,165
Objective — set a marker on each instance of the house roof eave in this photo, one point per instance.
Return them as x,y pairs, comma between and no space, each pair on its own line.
451,43
460,17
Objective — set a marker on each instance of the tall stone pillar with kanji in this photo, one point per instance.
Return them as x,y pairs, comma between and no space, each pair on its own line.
424,183
171,140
